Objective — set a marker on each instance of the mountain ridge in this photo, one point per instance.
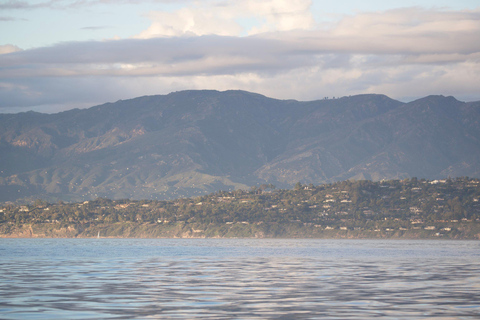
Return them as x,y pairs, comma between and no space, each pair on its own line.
193,142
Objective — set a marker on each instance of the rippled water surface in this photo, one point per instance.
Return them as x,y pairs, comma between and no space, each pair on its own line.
238,279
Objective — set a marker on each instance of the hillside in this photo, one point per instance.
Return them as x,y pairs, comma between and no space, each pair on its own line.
194,142
410,208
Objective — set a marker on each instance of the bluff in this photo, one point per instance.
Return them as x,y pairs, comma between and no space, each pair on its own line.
191,143
398,209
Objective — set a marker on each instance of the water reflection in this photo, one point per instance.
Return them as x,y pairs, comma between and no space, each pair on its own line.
242,280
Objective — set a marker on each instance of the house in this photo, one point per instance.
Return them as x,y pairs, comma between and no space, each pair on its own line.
416,221
415,210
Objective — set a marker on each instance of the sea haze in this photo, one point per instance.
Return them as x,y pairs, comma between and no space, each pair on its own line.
238,279
191,143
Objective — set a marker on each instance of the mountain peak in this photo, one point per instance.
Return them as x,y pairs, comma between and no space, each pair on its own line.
193,142
438,99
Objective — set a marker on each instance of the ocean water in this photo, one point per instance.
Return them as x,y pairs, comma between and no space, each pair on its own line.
238,279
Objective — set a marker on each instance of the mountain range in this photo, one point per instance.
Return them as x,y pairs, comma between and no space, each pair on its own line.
191,143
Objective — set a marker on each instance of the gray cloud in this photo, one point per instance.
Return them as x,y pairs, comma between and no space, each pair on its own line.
62,4
228,55
21,5
95,28
159,56
401,53
11,19
50,91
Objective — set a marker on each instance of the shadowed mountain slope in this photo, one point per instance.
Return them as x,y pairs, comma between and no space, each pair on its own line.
193,142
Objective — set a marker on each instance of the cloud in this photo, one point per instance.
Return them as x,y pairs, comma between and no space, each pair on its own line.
187,21
11,19
224,18
159,56
96,28
403,53
21,5
412,30
8,48
69,4
281,15
395,38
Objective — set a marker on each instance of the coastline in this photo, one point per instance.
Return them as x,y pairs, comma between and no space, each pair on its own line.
217,231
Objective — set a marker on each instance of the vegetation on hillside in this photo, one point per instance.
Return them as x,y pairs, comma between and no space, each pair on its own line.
409,208
192,143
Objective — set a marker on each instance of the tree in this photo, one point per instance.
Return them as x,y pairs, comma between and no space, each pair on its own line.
298,186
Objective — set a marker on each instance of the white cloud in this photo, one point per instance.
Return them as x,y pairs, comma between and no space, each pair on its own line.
223,18
283,15
190,21
8,48
406,31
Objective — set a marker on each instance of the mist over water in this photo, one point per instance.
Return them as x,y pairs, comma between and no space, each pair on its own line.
238,279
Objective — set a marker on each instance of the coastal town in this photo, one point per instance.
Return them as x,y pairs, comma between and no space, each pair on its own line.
410,208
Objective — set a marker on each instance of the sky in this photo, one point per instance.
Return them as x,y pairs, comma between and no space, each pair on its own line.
57,55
